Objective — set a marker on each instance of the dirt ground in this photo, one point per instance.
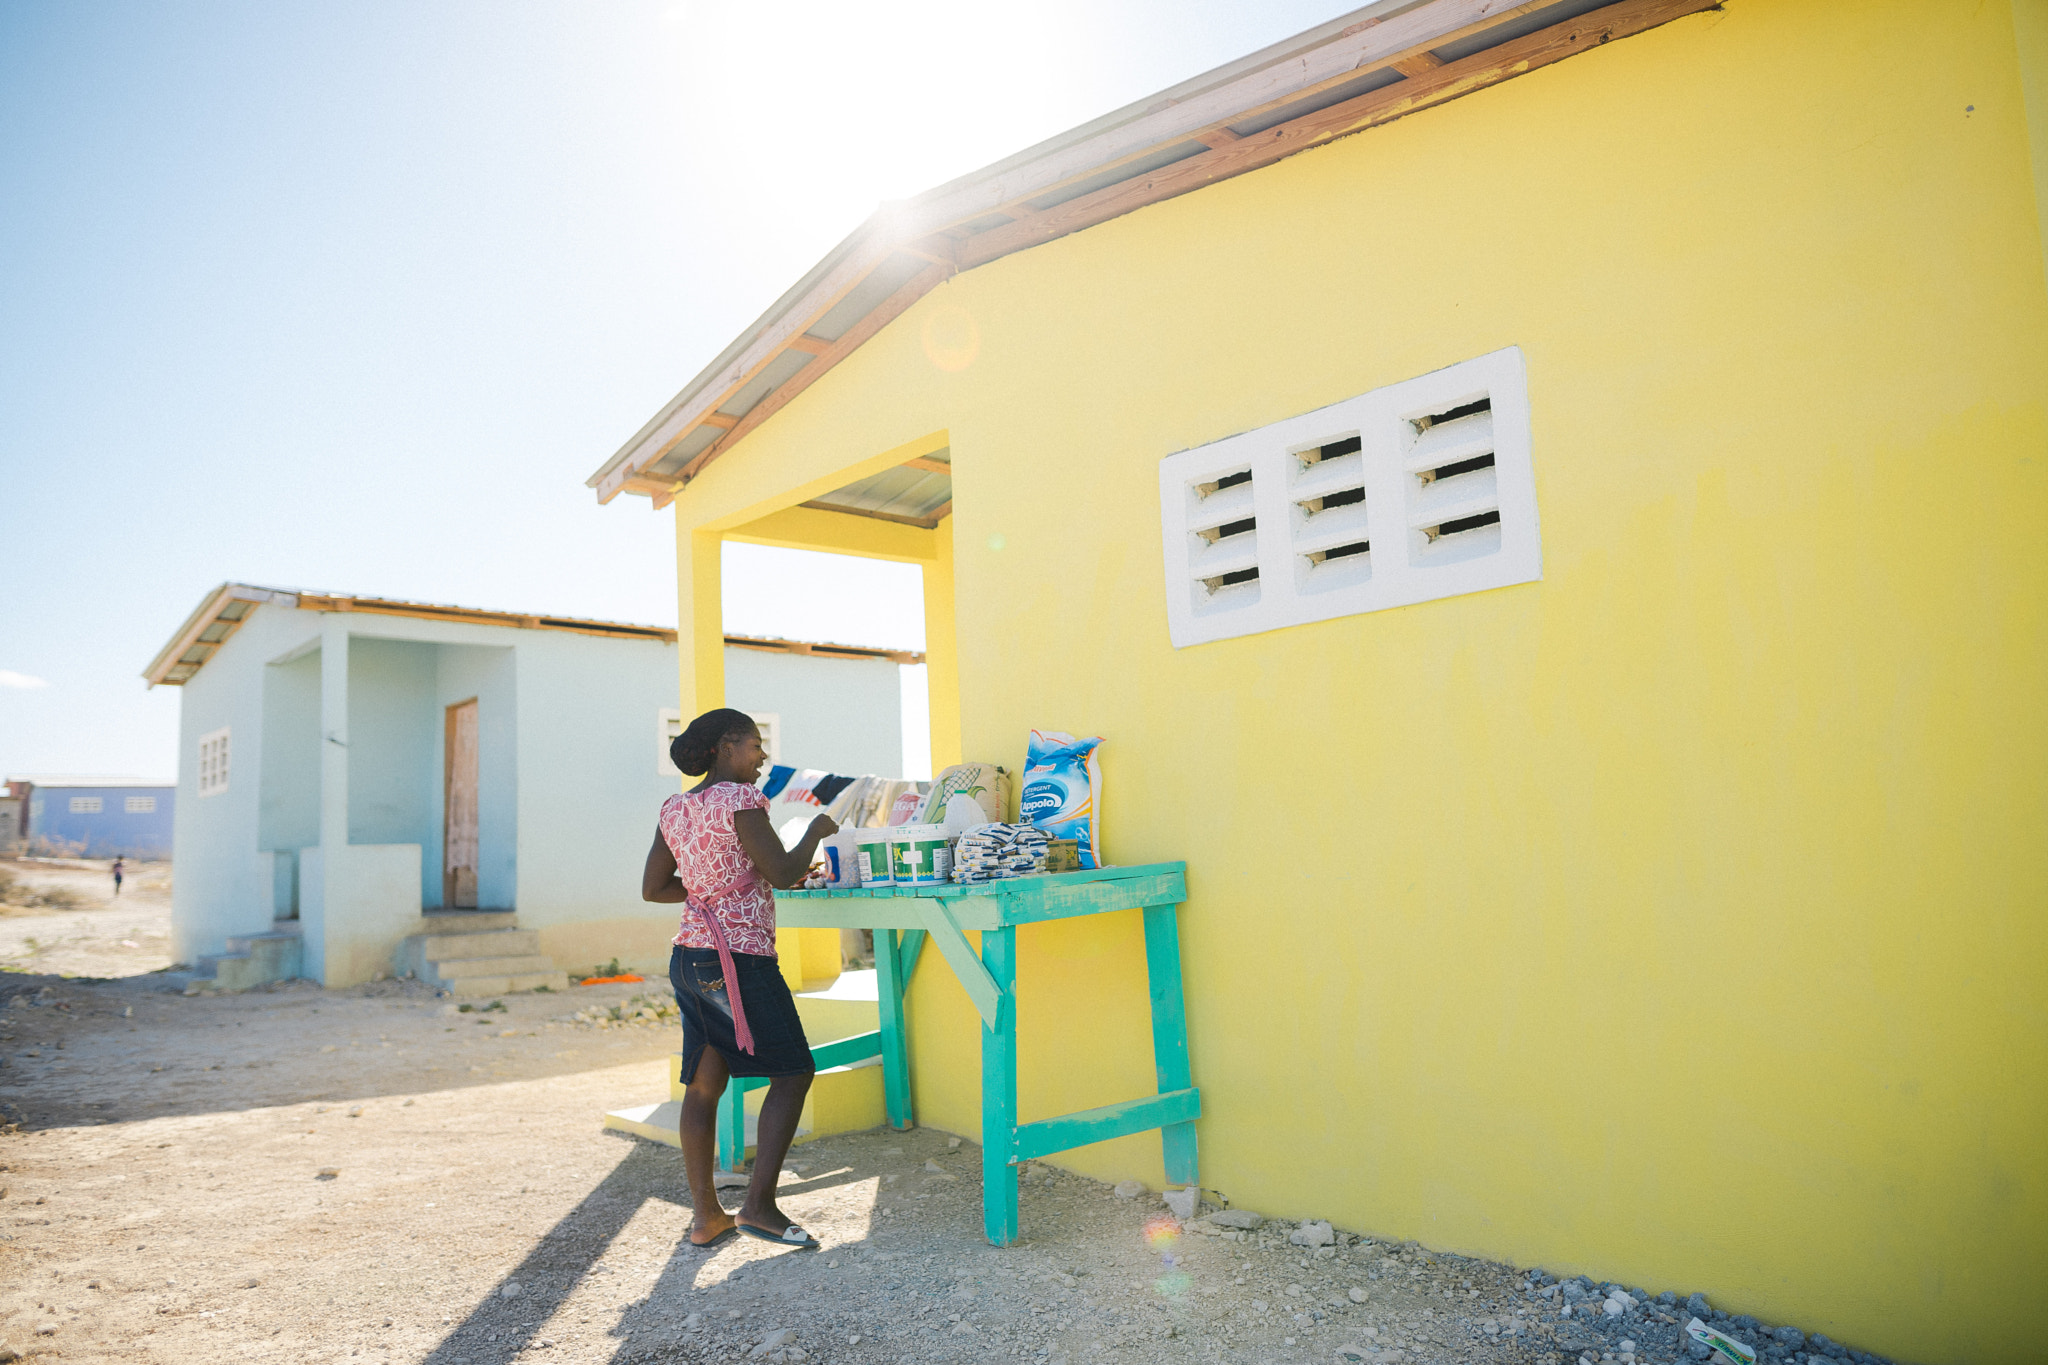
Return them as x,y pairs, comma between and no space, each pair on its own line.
295,1174
104,936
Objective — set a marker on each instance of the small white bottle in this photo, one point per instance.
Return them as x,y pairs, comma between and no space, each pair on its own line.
842,865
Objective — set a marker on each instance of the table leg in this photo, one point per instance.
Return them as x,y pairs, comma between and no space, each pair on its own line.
1170,1035
999,1091
890,980
732,1126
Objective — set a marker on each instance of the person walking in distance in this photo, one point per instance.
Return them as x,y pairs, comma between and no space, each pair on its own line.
715,854
119,868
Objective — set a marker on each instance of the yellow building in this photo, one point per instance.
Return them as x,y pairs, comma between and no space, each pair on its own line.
1627,856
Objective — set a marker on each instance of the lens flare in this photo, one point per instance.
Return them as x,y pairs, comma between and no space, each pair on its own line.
1163,1235
952,338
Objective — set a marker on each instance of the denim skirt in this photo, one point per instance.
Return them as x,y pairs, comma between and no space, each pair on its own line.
780,1048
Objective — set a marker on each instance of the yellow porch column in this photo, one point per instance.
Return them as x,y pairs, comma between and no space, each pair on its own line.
700,627
942,650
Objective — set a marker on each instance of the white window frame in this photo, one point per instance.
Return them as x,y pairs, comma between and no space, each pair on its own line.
215,762
769,723
139,805
87,805
1404,503
668,723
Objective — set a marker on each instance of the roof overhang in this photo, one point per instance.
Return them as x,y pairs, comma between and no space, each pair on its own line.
216,618
1371,66
222,612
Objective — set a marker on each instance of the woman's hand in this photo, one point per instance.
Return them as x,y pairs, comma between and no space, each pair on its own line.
782,867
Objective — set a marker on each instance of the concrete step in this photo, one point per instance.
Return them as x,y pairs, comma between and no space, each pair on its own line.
468,921
842,1099
251,960
471,953
420,955
455,969
658,1123
491,943
475,987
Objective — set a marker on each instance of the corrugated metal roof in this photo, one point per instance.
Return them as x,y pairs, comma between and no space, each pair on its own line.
226,607
61,781
916,494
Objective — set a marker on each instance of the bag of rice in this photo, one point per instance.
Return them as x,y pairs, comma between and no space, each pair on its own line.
1063,790
987,783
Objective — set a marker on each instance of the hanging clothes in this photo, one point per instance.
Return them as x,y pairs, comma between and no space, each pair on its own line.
803,786
828,788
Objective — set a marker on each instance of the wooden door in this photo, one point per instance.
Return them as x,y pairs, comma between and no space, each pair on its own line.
458,832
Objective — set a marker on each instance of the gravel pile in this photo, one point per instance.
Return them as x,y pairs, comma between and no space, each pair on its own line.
643,1010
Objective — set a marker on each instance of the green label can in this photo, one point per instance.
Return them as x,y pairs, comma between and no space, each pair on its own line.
871,857
919,855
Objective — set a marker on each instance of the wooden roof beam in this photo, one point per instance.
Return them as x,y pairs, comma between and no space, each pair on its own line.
938,249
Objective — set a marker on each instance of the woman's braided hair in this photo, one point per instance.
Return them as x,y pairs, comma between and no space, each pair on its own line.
696,748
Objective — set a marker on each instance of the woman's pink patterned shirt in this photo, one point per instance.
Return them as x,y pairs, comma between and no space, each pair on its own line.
716,870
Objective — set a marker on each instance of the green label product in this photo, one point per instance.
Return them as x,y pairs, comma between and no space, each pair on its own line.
919,855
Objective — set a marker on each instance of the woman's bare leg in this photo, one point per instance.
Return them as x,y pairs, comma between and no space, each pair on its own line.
780,1111
697,1129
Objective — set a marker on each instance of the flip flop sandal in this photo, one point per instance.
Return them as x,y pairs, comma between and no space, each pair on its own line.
792,1236
721,1238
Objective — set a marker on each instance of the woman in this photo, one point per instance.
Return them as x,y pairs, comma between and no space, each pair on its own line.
715,854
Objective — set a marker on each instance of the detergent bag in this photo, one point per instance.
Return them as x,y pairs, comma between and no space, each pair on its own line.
1063,790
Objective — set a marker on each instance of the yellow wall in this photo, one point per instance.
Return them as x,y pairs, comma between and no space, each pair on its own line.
1678,918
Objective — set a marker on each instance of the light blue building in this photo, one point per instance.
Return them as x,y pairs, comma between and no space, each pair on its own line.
96,817
835,707
370,786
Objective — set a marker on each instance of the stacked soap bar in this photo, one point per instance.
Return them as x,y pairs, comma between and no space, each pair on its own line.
990,853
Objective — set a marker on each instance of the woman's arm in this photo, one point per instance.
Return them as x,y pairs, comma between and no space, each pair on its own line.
658,880
782,867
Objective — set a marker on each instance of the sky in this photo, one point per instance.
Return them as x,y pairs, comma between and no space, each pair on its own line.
354,297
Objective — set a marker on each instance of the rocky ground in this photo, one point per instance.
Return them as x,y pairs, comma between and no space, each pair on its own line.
295,1175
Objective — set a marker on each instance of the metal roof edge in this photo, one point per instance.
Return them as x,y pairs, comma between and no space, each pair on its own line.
75,781
762,324
203,616
210,607
1270,55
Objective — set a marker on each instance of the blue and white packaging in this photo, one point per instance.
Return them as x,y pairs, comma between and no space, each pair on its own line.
1063,790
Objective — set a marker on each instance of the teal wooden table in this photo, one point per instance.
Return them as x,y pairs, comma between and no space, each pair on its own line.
902,918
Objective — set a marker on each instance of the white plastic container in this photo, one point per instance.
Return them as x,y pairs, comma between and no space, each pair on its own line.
871,856
920,855
842,865
962,814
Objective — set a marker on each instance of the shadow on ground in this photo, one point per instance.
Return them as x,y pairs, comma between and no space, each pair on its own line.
77,1052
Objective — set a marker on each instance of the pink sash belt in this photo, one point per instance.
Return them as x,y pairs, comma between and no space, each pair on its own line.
741,1034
